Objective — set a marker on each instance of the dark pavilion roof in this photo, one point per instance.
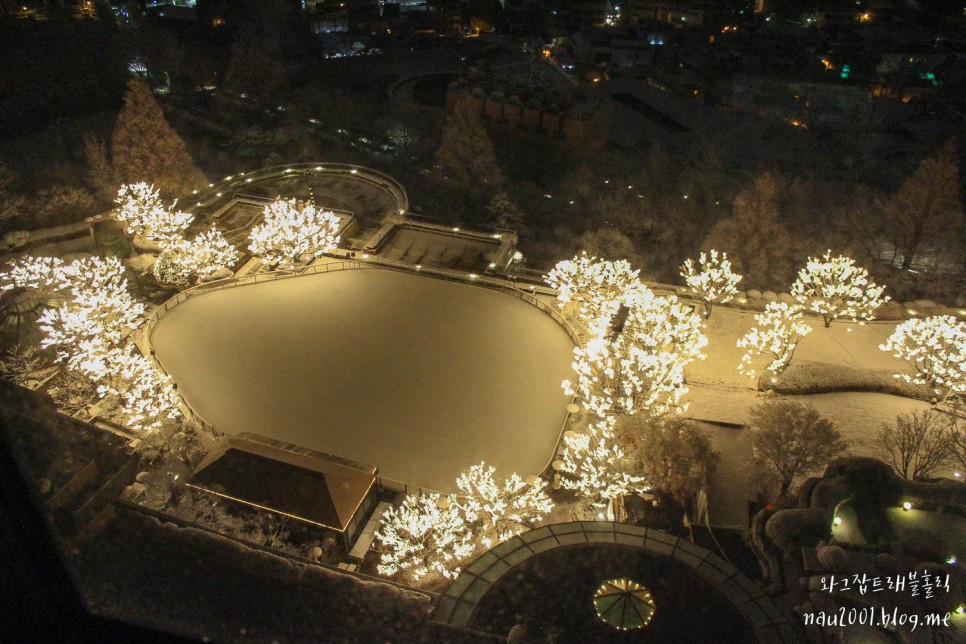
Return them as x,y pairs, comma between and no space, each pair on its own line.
313,487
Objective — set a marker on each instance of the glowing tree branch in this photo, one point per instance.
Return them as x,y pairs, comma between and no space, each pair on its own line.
143,215
91,333
506,510
426,533
42,274
100,311
834,287
595,465
148,397
596,287
202,256
780,329
711,279
292,230
936,349
642,368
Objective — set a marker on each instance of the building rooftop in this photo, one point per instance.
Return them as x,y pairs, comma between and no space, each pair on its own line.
313,487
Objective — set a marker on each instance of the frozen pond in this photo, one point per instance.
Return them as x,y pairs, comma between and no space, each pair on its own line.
417,376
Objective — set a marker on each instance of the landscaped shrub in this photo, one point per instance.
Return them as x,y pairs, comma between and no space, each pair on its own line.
821,377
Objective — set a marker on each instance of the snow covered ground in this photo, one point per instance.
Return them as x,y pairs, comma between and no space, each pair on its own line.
719,393
845,344
423,378
417,376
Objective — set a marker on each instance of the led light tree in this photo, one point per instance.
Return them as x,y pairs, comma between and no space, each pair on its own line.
596,467
506,510
100,303
780,329
148,397
42,274
642,367
595,286
292,230
711,279
91,333
834,287
426,533
936,349
100,311
202,256
170,271
210,252
145,217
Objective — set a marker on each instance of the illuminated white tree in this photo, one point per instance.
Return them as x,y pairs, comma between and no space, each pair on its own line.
834,287
642,367
936,349
42,274
144,215
711,279
780,329
504,510
596,287
595,465
148,397
202,256
100,306
135,201
91,333
292,230
426,533
170,271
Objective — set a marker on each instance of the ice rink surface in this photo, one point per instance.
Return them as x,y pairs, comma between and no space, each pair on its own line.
415,375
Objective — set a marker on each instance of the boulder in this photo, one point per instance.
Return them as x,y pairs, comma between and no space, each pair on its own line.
14,240
833,558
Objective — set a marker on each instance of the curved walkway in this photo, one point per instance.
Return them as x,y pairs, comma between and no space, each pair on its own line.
457,605
222,191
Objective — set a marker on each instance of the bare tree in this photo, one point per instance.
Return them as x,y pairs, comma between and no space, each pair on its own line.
957,436
100,172
927,206
675,454
757,243
919,443
789,439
